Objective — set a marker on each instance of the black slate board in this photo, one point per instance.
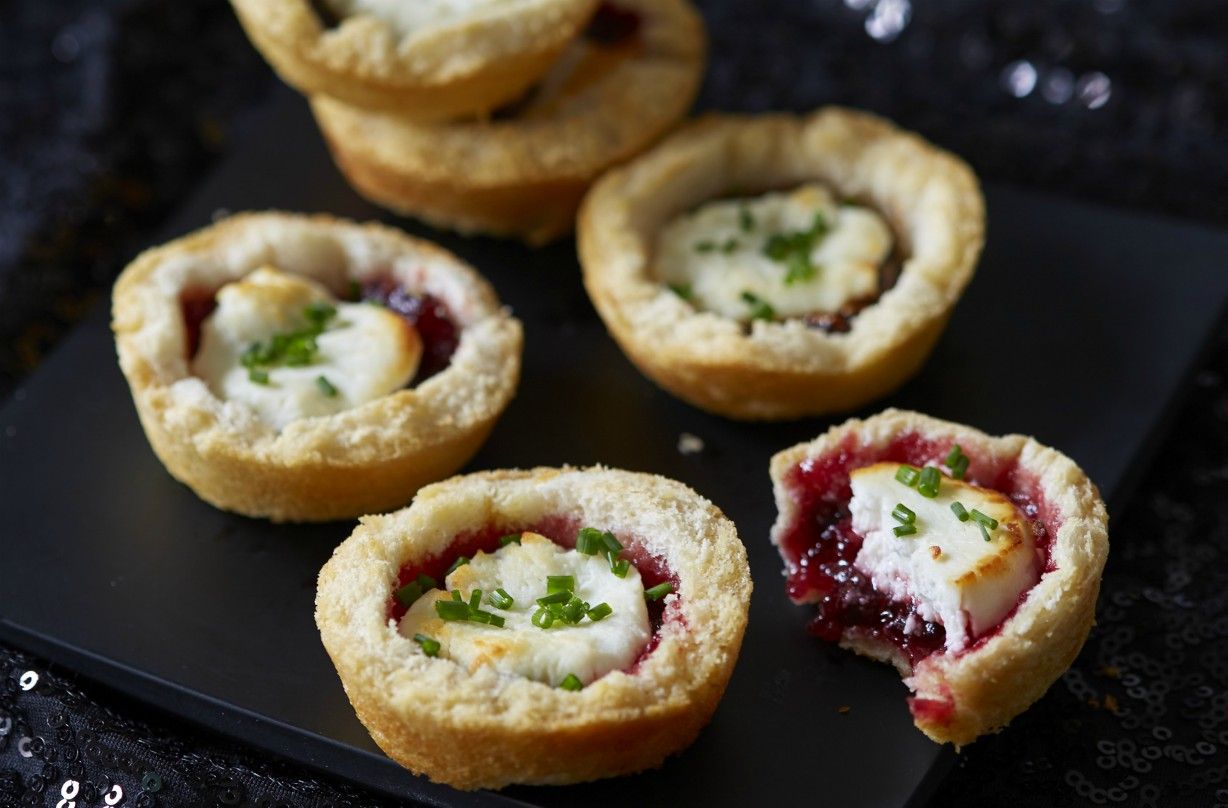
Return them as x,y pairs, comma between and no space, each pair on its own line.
1081,327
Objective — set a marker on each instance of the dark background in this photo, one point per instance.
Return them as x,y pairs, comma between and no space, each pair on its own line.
111,111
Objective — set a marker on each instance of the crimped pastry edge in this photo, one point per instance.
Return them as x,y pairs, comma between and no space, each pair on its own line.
1004,675
524,177
782,370
468,67
364,459
421,710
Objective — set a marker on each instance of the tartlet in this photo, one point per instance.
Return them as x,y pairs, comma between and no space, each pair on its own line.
452,62
422,707
904,575
616,89
327,457
761,366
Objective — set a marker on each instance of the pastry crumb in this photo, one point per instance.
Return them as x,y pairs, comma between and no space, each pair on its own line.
845,710
935,551
689,444
1110,703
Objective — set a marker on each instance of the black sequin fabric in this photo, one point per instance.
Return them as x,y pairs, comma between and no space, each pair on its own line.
111,110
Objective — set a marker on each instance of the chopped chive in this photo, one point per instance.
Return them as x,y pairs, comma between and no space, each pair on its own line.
960,468
799,268
927,484
426,582
683,290
456,596
319,312
905,530
542,619
984,531
555,609
759,309
482,616
452,609
984,519
705,246
746,220
560,583
457,564
908,475
961,513
475,598
355,290
730,246
612,545
561,596
500,599
588,541
620,567
258,376
571,682
659,591
511,538
600,612
496,620
326,387
429,646
573,611
904,514
408,594
957,462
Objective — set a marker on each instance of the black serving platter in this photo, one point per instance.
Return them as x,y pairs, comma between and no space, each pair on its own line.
1080,327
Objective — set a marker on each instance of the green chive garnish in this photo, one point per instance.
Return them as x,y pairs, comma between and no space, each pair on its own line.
957,462
984,531
600,612
511,538
456,596
408,594
705,246
794,249
905,530
542,619
573,611
683,290
746,220
452,610
588,541
475,599
612,545
961,513
326,387
620,567
904,514
457,564
258,376
659,591
292,349
429,646
984,519
908,475
759,309
571,682
928,482
500,599
730,246
561,596
560,583
426,582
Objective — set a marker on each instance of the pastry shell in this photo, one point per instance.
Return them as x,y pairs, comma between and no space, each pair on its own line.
365,459
524,174
467,66
782,370
488,730
1004,673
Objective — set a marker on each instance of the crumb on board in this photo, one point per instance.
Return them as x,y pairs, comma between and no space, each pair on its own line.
689,444
845,710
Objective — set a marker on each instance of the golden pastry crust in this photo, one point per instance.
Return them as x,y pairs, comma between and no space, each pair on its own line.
422,710
1001,676
782,370
470,65
362,460
524,175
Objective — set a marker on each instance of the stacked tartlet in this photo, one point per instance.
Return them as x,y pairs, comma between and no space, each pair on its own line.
485,117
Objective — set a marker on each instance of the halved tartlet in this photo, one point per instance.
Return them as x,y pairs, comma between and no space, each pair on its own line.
629,77
544,627
427,59
305,368
776,267
971,563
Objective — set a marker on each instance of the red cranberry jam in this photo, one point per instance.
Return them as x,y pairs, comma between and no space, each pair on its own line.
196,306
426,313
562,531
821,546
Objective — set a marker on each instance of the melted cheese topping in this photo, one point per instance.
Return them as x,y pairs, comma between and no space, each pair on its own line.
946,568
589,650
366,351
717,253
409,16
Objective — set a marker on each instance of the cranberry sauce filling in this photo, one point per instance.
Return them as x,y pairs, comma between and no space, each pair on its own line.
612,25
562,531
821,546
426,313
196,306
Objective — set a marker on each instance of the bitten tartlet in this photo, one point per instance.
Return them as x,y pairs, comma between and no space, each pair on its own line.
552,626
427,59
620,85
971,563
305,368
776,267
